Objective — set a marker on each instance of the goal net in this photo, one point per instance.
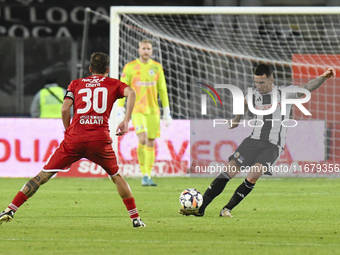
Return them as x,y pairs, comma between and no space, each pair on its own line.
200,46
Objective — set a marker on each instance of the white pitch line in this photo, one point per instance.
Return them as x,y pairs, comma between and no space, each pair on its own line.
290,194
173,242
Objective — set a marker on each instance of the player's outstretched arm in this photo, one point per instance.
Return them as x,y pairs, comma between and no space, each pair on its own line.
317,82
122,128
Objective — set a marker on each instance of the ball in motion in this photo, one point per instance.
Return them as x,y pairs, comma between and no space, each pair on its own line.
191,199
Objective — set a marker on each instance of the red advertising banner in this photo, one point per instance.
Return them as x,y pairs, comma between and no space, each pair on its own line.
26,144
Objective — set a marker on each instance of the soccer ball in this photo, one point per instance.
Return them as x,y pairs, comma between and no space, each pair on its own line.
191,199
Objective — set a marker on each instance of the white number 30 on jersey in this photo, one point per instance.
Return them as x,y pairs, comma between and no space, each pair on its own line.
87,99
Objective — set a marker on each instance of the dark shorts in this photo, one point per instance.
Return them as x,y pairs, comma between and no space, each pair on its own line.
99,152
252,151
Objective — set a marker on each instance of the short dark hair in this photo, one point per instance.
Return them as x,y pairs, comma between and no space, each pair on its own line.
262,69
99,62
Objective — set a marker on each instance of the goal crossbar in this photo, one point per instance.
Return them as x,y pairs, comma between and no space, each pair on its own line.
241,10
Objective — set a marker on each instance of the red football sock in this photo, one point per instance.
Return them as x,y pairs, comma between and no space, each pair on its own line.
131,207
19,199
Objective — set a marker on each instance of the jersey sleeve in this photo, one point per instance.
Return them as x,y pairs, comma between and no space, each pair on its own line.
125,78
121,88
70,91
162,89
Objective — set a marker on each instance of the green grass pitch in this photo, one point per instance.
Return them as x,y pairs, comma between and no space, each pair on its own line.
87,216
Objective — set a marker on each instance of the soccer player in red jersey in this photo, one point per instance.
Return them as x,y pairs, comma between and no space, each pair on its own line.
87,136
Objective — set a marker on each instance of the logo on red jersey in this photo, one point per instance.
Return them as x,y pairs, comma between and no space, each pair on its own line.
86,119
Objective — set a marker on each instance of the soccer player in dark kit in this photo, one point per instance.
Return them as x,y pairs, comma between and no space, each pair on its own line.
261,150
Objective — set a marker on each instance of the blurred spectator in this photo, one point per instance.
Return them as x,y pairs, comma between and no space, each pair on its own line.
48,101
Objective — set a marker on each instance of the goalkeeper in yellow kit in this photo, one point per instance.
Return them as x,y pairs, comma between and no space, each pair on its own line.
146,77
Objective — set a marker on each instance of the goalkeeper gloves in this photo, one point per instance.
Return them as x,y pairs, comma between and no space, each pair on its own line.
121,114
166,116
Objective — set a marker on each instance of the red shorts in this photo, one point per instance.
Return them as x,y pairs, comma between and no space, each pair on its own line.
99,152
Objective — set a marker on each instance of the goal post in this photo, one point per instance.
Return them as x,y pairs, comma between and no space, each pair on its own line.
215,45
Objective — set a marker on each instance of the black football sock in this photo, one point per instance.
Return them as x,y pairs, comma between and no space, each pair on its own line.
241,192
215,188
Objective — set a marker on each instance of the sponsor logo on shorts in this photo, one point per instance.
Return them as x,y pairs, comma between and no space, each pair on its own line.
239,157
141,127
